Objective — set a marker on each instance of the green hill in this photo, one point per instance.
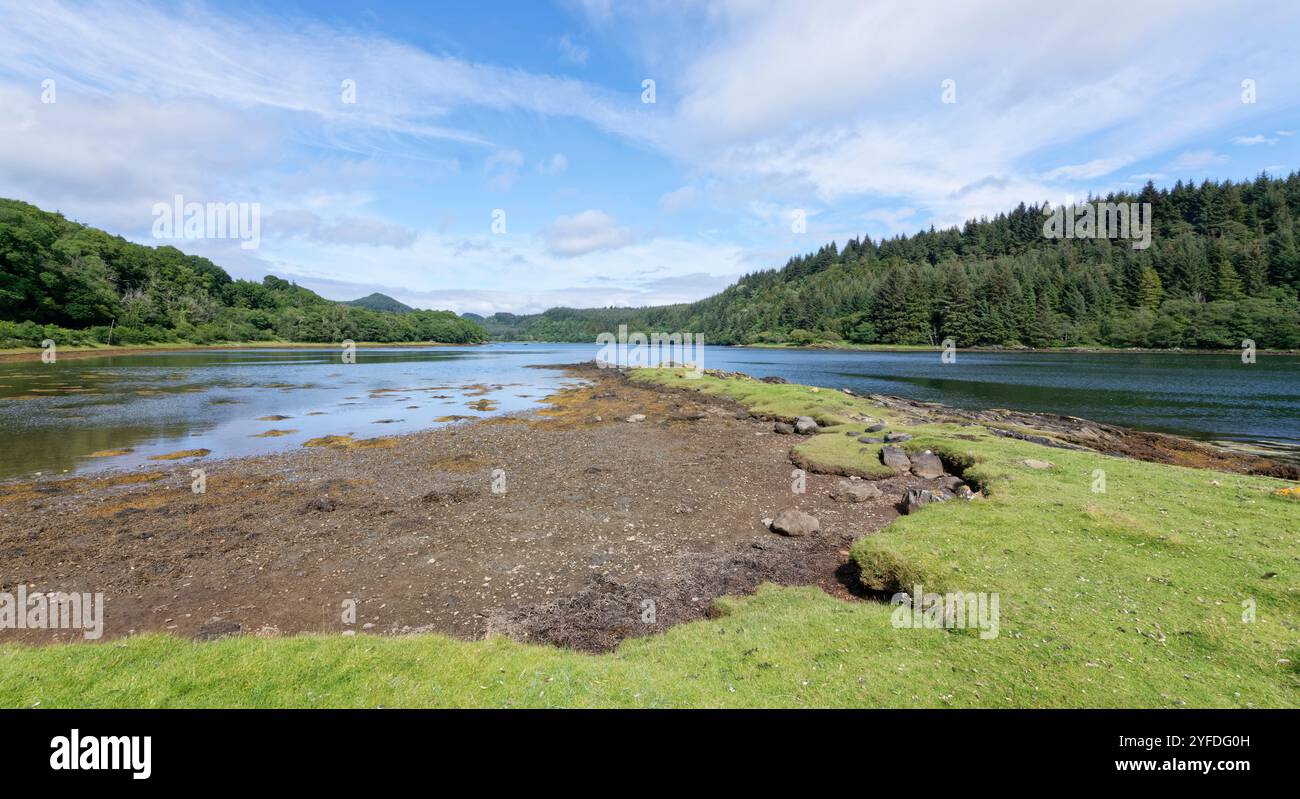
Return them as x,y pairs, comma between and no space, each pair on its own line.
1223,266
68,282
380,302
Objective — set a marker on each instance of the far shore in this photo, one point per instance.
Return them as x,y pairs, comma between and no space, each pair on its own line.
93,351
1101,350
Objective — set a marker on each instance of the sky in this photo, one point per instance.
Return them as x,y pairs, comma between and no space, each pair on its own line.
515,156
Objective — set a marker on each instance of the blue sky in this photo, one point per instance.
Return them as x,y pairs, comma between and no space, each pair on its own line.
535,109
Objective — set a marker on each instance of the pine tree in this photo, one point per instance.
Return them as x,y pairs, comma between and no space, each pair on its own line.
1150,291
1227,284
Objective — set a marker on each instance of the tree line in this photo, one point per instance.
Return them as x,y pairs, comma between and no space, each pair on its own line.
1223,266
75,284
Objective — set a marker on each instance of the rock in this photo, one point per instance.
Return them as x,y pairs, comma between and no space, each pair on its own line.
895,458
767,523
794,522
892,437
687,416
851,433
964,492
212,629
1034,463
870,439
917,498
854,491
805,426
952,482
773,379
320,505
927,465
636,417
783,428
876,428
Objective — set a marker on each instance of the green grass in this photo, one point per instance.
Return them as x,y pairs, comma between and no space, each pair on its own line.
1127,598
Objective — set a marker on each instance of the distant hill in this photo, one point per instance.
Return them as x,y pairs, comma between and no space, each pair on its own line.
473,317
76,285
380,302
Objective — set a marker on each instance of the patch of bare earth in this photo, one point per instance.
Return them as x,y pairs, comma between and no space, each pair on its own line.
598,516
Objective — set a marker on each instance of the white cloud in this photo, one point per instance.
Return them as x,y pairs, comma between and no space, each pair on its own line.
587,232
677,199
502,168
572,51
1196,159
554,165
1250,141
297,223
896,220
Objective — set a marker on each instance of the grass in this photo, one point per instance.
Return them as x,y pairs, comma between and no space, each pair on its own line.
1128,598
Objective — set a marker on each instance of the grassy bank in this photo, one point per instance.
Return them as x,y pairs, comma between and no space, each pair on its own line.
1129,597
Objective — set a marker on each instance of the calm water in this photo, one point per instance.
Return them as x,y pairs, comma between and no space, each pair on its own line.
54,416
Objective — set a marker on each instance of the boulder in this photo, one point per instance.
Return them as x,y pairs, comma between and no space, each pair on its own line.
927,466
783,428
893,437
636,417
895,458
876,428
773,379
915,499
870,439
1034,463
806,426
854,491
794,522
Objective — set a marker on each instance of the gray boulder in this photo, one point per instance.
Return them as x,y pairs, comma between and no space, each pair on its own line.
794,522
805,425
895,458
927,465
854,491
876,428
870,439
892,437
783,428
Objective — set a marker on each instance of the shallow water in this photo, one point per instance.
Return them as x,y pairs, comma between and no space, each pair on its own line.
53,417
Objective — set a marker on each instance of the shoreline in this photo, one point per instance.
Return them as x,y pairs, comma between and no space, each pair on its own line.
34,353
1036,350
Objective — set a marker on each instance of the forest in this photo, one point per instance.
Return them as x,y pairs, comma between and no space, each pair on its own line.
1223,267
77,285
